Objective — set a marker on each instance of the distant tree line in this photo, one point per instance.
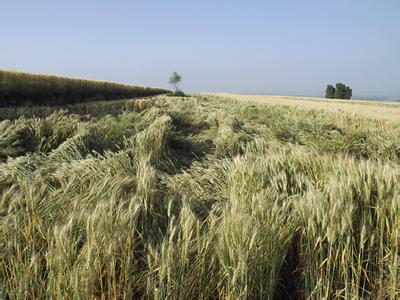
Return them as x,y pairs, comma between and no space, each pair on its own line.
341,91
24,89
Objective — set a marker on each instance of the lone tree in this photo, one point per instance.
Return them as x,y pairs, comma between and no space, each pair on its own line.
330,91
341,91
174,80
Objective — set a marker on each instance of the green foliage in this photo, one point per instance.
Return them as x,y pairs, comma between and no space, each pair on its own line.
177,94
199,198
348,93
175,79
340,92
23,89
330,91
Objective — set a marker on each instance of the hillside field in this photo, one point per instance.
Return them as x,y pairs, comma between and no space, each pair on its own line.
203,197
24,89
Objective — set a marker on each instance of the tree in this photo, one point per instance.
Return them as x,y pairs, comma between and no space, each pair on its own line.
330,91
174,80
348,93
340,91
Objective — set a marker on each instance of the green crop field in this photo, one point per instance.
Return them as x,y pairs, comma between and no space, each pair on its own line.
203,197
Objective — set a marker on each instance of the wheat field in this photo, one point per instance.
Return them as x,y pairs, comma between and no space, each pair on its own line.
18,89
389,111
203,197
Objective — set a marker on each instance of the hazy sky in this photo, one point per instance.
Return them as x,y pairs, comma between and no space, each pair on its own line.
277,47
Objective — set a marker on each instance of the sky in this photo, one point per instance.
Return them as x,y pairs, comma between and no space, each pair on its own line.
264,47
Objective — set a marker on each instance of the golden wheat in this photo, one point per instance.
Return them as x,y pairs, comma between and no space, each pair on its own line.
199,197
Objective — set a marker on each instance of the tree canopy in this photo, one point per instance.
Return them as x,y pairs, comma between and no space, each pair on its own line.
341,91
174,80
330,91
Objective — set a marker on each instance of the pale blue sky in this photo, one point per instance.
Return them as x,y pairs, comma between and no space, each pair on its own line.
277,47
